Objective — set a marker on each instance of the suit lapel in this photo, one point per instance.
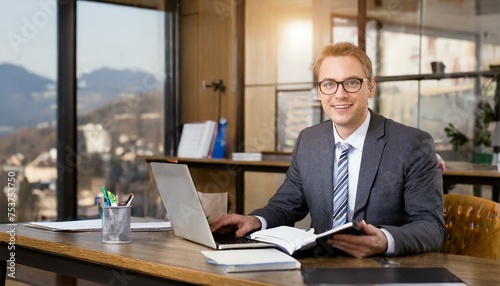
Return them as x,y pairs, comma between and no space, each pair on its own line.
373,149
325,164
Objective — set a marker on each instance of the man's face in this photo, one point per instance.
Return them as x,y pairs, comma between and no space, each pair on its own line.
346,110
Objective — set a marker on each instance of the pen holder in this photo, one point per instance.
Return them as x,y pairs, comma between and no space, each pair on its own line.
116,224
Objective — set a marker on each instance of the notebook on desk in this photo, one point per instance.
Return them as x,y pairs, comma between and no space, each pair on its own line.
185,212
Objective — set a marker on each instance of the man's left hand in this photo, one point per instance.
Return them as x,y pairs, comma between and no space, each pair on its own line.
373,242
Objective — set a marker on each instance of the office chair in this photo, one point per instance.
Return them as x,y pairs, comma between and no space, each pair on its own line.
472,226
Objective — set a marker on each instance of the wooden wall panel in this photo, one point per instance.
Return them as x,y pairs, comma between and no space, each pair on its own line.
207,53
260,43
213,52
261,187
260,111
260,97
188,63
260,69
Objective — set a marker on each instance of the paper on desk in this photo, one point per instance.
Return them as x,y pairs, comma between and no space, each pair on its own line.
242,260
96,225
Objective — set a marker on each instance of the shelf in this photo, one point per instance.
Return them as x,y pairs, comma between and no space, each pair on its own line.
437,76
430,76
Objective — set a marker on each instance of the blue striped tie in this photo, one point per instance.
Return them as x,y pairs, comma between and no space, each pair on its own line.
340,190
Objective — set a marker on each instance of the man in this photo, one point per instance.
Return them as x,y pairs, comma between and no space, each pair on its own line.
393,184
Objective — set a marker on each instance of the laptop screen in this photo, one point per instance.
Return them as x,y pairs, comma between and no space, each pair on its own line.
184,209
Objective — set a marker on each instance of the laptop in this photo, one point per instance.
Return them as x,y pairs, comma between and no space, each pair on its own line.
185,212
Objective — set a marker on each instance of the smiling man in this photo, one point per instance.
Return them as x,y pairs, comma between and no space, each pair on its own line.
357,166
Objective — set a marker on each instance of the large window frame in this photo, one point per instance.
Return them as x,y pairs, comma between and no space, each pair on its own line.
67,155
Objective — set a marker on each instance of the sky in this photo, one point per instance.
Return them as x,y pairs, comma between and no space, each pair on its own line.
112,36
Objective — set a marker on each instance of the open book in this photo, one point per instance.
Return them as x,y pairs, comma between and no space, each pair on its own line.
290,239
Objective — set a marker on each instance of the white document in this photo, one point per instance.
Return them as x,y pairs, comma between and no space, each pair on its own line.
242,260
196,139
96,225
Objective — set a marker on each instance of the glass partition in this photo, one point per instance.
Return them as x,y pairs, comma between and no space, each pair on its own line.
414,36
403,39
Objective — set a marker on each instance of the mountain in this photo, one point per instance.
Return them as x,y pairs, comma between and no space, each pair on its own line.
28,99
110,80
17,80
104,86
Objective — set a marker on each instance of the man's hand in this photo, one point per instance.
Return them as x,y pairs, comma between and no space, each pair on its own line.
239,223
373,242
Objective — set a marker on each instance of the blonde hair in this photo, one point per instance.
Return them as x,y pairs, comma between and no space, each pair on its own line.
343,49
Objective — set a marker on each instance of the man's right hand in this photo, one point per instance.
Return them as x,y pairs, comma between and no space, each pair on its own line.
240,224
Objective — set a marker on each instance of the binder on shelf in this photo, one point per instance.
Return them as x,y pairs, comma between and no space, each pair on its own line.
219,145
196,139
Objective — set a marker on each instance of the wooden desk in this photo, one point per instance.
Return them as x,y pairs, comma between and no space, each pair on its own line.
158,258
472,174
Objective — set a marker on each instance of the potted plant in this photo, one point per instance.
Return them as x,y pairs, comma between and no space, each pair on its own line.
484,116
457,138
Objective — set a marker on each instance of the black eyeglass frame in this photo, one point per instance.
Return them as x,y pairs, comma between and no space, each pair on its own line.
361,80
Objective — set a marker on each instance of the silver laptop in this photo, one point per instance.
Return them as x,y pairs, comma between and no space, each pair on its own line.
185,212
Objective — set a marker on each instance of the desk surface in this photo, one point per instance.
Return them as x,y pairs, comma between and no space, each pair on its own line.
471,170
163,255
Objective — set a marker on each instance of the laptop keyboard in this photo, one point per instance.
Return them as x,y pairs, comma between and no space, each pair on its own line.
231,239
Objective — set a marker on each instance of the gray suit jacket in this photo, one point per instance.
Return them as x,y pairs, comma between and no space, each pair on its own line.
399,189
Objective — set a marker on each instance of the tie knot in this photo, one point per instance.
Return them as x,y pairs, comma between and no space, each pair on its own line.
344,147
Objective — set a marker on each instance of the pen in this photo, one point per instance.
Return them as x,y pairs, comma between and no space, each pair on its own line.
112,199
129,200
105,198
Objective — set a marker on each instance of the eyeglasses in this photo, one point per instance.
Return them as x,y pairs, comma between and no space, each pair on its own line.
329,86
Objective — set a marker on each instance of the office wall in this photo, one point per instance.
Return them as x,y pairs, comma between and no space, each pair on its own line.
207,51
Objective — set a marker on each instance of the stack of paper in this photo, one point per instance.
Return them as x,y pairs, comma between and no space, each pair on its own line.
246,156
242,260
96,225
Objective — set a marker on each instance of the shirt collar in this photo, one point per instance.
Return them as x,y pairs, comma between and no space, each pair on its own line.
357,138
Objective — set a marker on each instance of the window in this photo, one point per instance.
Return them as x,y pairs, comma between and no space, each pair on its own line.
121,74
28,82
123,54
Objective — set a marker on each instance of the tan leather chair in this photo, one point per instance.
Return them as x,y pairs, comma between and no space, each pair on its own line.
472,226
